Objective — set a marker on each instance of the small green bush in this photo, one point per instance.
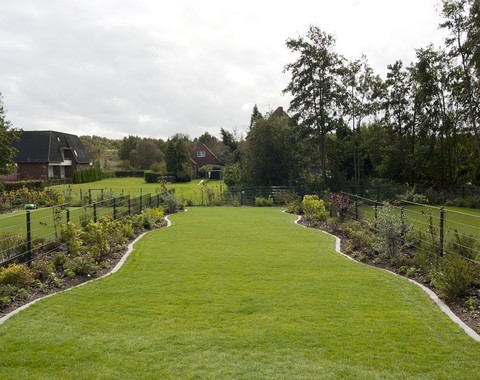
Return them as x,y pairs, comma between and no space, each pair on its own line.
43,269
453,276
17,275
80,265
263,202
314,208
151,177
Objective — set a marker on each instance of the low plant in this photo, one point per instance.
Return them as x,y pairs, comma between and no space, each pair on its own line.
341,203
314,208
17,275
80,265
453,276
263,201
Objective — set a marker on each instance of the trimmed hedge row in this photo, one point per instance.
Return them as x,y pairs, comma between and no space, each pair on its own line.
87,175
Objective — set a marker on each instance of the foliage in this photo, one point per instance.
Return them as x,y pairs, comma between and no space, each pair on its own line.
18,198
80,265
463,245
263,201
291,200
151,177
314,208
87,175
341,203
231,175
453,276
315,86
392,233
7,136
270,154
16,275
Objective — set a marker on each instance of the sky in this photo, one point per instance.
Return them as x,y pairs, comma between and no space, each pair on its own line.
114,68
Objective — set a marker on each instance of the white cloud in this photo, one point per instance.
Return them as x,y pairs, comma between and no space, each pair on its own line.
153,68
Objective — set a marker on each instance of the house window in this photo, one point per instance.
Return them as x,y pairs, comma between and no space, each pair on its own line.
201,153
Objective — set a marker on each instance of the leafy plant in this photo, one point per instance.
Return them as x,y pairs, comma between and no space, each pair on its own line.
314,208
17,275
453,276
263,201
341,203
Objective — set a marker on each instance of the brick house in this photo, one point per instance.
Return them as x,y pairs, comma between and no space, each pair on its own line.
49,155
202,156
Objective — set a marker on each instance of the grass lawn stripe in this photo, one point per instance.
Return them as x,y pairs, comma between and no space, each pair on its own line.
238,293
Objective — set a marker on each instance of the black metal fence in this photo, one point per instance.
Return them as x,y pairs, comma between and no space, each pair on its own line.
26,232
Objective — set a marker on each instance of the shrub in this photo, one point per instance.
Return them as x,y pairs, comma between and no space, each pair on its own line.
170,203
151,177
453,276
263,201
80,265
360,237
17,275
314,208
392,230
43,269
341,202
464,245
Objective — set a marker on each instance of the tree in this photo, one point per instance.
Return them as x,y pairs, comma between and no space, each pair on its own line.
362,90
269,155
7,136
170,157
148,153
127,145
255,116
316,86
183,166
462,21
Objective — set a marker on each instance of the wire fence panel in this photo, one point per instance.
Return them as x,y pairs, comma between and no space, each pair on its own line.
440,229
23,233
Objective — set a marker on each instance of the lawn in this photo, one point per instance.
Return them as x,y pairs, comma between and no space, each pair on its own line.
193,192
238,293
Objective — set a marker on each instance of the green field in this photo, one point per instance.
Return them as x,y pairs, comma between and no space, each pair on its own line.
238,293
193,192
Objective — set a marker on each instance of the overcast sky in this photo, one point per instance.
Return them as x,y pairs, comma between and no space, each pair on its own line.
150,68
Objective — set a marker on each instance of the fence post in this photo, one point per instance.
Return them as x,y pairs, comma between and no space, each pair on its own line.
114,208
402,221
141,202
95,212
29,237
68,215
158,200
356,210
150,199
442,224
129,207
89,196
376,217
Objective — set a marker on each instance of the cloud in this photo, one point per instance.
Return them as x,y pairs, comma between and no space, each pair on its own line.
154,69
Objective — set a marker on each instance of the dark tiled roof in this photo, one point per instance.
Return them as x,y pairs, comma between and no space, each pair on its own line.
46,146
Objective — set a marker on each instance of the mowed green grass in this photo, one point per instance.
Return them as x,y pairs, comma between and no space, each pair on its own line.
191,191
238,293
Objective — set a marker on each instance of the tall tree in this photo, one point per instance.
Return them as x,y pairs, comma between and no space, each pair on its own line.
183,166
256,114
361,101
7,136
316,86
269,155
461,20
170,157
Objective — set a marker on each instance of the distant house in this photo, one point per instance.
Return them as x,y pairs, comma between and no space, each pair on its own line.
49,155
202,156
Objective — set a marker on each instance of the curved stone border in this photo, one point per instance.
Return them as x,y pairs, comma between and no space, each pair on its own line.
114,270
470,332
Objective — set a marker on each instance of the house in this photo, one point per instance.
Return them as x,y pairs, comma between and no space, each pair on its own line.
202,156
49,155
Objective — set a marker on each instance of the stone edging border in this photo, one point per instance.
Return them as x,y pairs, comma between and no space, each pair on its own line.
114,270
470,332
